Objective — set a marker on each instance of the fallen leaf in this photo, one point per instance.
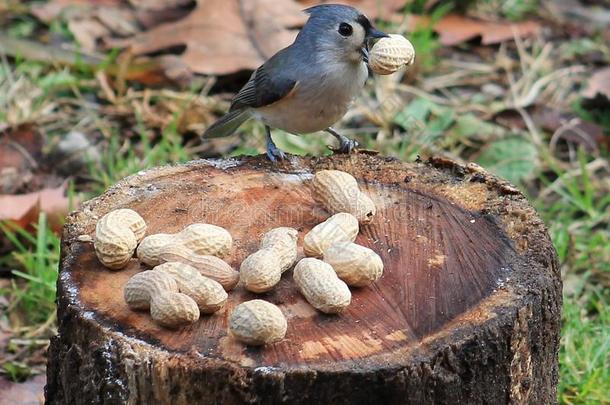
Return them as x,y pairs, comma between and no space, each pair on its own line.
30,392
118,20
454,29
572,129
218,36
20,150
23,209
225,36
20,146
32,50
51,10
387,10
599,84
91,21
150,17
142,69
87,32
587,17
159,5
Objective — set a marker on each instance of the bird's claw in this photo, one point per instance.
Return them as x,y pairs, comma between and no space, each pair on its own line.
347,145
274,153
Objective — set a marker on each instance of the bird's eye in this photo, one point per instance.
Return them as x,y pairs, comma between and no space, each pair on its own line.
345,29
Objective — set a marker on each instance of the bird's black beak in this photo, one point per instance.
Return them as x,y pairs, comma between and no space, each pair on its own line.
365,54
372,33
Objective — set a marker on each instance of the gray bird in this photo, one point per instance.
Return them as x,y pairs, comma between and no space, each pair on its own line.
309,85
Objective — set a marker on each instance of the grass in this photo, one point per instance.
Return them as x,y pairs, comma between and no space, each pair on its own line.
36,256
578,220
585,372
572,196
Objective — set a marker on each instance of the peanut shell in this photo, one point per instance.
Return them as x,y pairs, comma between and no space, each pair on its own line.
338,191
207,293
207,265
148,249
206,239
144,285
341,227
320,286
173,309
356,265
389,55
257,322
261,271
284,241
116,236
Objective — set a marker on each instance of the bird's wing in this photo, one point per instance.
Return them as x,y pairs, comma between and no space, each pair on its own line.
268,84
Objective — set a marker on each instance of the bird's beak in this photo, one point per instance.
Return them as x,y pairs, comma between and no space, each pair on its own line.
365,54
373,33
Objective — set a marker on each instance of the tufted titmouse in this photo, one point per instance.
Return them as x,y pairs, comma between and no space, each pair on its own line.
309,85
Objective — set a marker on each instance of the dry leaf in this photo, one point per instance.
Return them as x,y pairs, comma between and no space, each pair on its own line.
90,20
219,36
49,11
151,17
87,32
454,29
225,36
23,209
566,127
20,150
159,5
387,10
29,392
143,69
599,84
20,147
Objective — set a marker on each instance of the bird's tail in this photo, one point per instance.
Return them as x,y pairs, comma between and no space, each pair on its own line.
227,124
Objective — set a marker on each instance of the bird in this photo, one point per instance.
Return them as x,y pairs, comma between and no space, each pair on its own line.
308,86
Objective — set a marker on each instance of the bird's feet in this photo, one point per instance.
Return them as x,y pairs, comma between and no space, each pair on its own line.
346,145
273,152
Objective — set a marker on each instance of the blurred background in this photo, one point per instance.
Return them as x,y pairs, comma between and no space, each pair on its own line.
94,90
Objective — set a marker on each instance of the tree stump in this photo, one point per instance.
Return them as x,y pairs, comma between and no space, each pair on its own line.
467,310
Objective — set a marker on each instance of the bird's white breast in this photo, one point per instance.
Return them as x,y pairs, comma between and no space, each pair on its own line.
318,101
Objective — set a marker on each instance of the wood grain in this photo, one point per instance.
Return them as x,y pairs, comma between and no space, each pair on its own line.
440,260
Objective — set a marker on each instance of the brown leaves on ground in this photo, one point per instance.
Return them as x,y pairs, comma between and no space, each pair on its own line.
27,188
454,29
20,154
387,10
598,89
566,128
226,36
30,392
22,210
92,21
220,37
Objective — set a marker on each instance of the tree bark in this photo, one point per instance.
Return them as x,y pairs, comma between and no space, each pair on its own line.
467,311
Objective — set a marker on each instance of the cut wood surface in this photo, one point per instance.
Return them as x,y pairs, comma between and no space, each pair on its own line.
467,310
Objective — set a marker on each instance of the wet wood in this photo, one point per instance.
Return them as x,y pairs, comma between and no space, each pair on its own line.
467,310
